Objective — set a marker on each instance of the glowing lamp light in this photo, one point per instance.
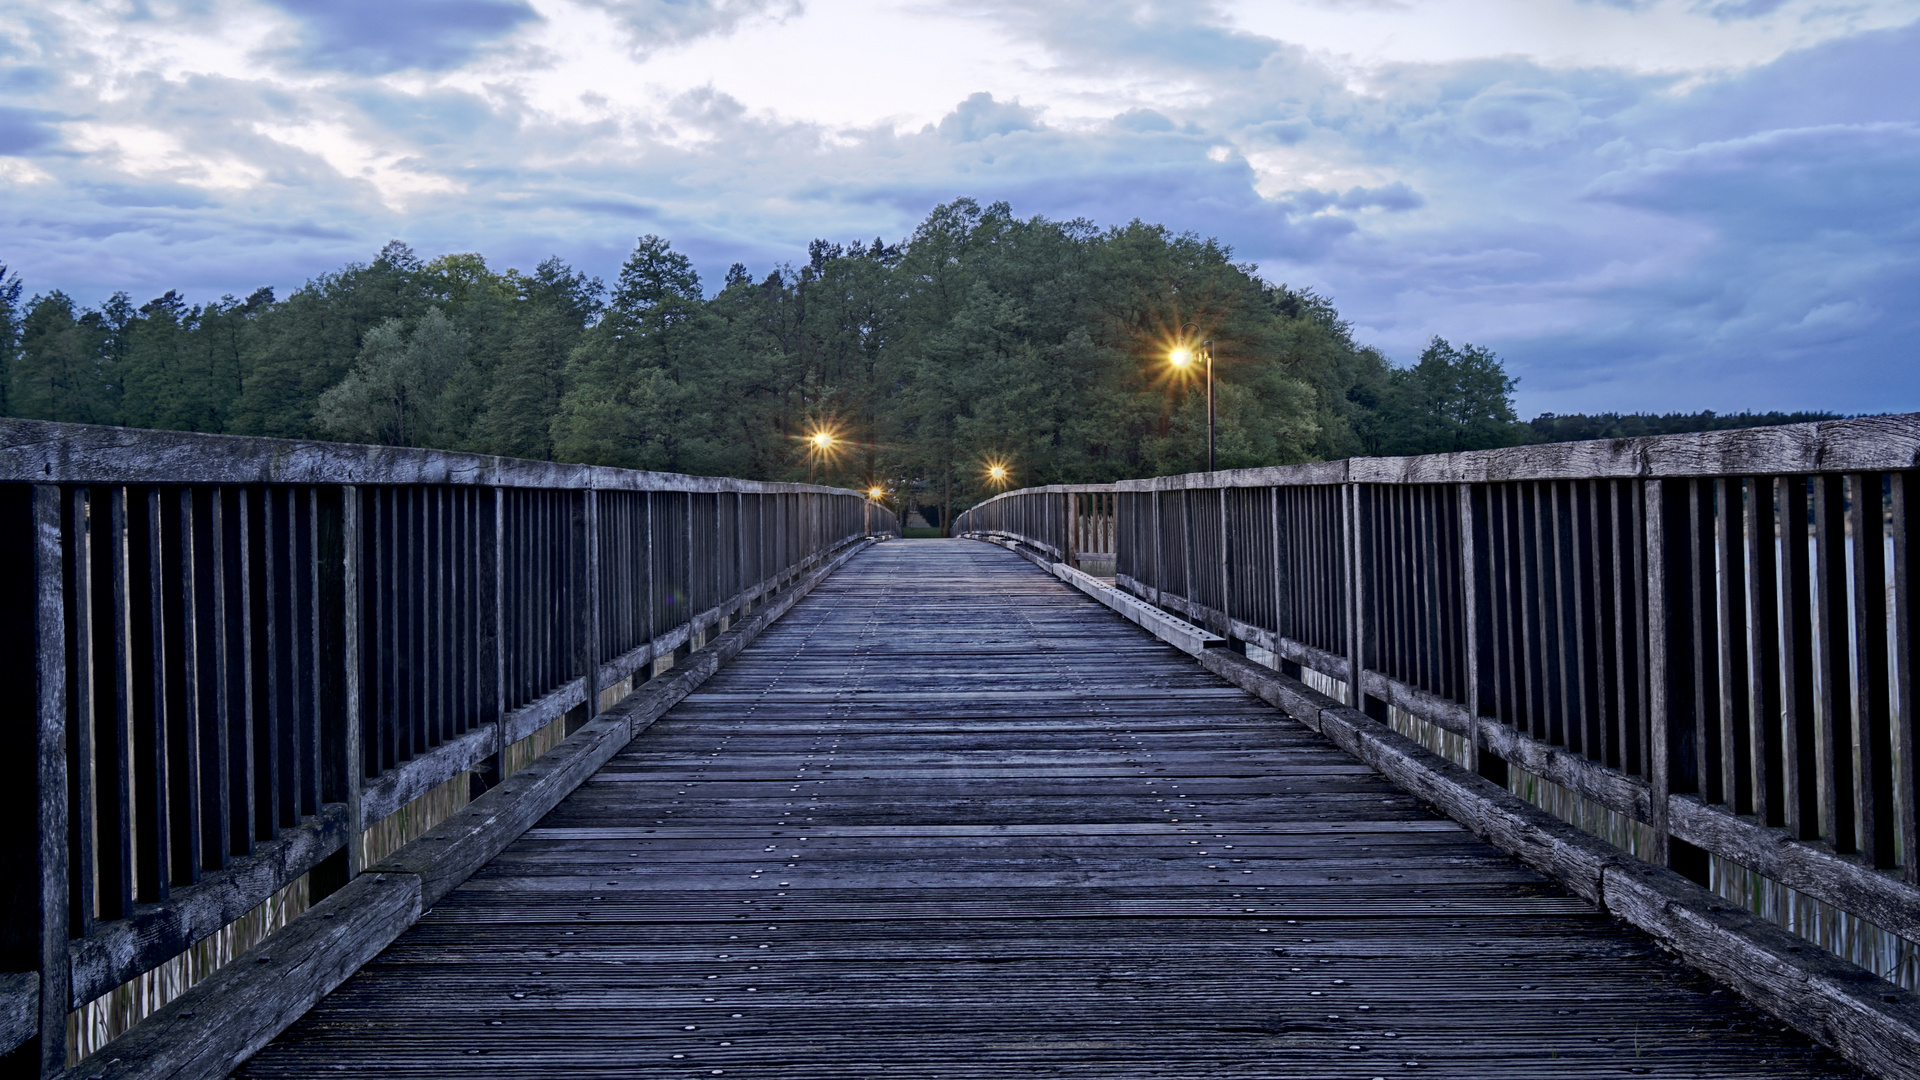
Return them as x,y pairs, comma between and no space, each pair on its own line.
1180,357
822,439
998,472
876,494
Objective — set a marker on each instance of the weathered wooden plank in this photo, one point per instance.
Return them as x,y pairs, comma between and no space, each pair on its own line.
37,451
20,1009
1868,443
1004,880
117,951
237,1009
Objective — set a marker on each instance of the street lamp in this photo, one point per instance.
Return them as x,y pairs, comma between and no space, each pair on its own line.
1180,357
820,445
997,473
877,494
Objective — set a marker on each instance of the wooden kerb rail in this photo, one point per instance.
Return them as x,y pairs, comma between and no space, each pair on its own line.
1708,636
231,657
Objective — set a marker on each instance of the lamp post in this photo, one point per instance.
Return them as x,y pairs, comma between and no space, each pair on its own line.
1180,357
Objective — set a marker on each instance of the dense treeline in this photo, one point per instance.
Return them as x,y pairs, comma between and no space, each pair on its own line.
1041,344
1550,428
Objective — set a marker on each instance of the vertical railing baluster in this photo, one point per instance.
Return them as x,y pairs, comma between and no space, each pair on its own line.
1351,551
493,616
1470,564
1529,654
1832,764
1658,652
589,600
1905,726
1594,586
147,693
115,746
54,882
1582,569
354,699
1277,528
1734,762
1870,694
1557,588
83,704
312,652
277,743
1643,612
1699,734
184,705
1763,652
1620,545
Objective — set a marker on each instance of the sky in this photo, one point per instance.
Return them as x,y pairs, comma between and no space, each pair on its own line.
1640,205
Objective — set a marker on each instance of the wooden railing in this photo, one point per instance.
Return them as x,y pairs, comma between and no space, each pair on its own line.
1707,638
232,657
1071,522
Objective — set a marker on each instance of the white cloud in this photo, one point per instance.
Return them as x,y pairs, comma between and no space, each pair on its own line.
1656,36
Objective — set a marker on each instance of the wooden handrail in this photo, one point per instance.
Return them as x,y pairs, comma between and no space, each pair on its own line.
1680,629
234,655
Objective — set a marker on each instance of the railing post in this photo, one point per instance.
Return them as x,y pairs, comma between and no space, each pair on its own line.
1226,570
1904,728
1072,552
1658,748
644,552
493,572
1351,549
589,612
1470,601
1280,582
352,690
50,766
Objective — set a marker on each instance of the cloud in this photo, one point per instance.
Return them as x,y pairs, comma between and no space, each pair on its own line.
1394,196
1795,182
23,131
656,23
980,117
376,37
1508,116
1729,10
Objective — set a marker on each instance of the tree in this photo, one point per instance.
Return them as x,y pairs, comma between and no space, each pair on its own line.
556,305
59,374
1450,399
396,391
624,403
10,317
307,343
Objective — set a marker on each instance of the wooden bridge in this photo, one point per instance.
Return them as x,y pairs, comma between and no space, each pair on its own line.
543,770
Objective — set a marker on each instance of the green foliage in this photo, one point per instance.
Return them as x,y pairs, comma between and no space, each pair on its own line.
983,337
1451,399
61,370
1548,427
10,316
400,390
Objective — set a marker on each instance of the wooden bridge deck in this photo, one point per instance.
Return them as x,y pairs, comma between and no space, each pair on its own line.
949,818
